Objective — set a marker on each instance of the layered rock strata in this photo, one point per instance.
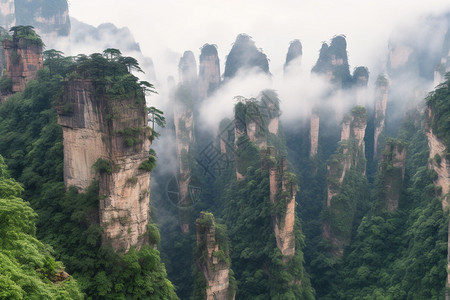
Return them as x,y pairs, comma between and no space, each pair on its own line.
108,140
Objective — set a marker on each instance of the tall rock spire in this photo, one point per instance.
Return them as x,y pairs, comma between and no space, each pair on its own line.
245,55
209,71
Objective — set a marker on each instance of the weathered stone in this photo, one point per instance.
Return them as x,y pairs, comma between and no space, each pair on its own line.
23,60
209,71
94,127
210,260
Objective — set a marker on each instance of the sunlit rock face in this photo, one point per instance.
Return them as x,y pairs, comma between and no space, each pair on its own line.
245,55
209,71
23,60
95,128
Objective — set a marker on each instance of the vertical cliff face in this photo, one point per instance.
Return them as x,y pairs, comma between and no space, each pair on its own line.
245,55
348,162
293,57
209,71
391,170
23,60
185,97
381,96
255,119
108,140
314,134
438,159
212,258
283,189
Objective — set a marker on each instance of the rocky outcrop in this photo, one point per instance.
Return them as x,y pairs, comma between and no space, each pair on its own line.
349,157
391,170
187,68
209,71
108,140
381,97
185,98
256,119
245,55
283,189
293,57
360,80
212,258
333,62
23,60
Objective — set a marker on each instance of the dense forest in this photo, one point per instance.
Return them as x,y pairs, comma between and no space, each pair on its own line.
340,206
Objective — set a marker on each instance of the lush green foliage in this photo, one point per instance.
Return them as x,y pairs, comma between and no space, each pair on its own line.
68,220
28,268
257,261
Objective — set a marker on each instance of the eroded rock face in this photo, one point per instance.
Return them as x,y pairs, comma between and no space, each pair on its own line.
333,62
392,169
23,60
212,259
209,71
381,96
95,127
283,189
183,110
349,155
438,160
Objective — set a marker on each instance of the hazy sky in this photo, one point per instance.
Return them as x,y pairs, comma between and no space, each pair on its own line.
187,25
